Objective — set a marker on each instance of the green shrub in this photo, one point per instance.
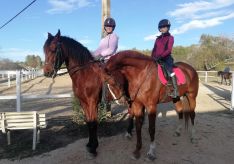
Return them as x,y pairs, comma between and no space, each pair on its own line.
79,116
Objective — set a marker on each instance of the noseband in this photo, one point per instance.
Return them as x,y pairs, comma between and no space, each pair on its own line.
112,93
58,59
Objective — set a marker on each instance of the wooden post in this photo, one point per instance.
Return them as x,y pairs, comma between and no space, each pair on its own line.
18,91
105,14
232,100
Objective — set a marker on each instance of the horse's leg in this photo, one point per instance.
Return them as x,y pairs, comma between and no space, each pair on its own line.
128,134
192,104
90,110
130,126
151,155
93,141
137,110
179,109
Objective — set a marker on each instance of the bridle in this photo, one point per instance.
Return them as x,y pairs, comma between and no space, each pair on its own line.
116,99
58,57
59,61
137,90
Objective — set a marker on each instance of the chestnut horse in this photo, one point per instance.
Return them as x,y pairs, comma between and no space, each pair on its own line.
86,75
145,90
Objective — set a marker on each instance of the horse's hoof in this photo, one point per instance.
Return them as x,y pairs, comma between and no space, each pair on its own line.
176,134
128,136
133,158
193,140
91,156
135,155
91,151
88,147
150,157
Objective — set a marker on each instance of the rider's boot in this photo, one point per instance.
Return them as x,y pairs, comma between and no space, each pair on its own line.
175,92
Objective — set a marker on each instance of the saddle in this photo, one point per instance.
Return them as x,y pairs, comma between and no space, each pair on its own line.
164,75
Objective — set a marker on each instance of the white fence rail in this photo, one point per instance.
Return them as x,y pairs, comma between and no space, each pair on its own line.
7,77
18,96
206,75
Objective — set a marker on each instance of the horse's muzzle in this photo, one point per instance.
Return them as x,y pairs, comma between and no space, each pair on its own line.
50,74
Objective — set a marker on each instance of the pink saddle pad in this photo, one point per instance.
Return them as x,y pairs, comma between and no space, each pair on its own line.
178,72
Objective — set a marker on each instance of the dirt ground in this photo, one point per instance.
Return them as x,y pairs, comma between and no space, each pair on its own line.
64,142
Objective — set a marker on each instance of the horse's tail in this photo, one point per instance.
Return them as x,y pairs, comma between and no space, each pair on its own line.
186,110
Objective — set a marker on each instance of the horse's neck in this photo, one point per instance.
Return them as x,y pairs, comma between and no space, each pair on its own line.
135,63
72,66
90,68
132,72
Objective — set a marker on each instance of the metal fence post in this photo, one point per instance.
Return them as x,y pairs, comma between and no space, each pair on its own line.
18,91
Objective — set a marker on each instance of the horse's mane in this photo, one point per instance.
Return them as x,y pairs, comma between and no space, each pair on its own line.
132,54
128,58
74,49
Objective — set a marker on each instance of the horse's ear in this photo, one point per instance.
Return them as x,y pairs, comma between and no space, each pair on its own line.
50,35
58,34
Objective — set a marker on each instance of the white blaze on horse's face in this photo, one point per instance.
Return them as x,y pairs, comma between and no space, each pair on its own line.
113,95
115,87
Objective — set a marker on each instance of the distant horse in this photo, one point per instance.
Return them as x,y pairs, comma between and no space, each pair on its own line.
145,90
86,75
226,76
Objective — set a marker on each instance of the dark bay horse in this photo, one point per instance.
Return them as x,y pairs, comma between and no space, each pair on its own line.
86,75
226,76
145,90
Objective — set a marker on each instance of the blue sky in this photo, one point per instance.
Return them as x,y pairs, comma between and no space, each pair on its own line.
136,22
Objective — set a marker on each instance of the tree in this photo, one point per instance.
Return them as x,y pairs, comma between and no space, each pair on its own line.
208,54
33,61
6,64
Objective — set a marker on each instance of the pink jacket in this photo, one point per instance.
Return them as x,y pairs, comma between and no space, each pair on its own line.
163,45
108,46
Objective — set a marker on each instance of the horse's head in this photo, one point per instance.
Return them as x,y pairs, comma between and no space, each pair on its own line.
117,86
53,55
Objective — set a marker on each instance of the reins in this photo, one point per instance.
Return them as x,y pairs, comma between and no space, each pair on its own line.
112,93
58,61
137,92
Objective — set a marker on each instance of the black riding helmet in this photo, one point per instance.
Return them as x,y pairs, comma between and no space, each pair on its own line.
110,22
164,23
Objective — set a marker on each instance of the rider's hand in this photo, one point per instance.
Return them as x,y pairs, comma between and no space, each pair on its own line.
158,58
100,58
